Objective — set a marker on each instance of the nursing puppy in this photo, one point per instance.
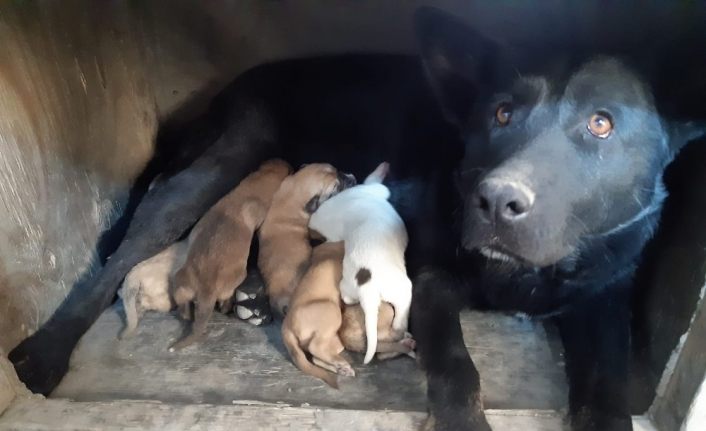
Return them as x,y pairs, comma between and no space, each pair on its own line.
391,343
146,286
284,249
314,317
219,246
375,241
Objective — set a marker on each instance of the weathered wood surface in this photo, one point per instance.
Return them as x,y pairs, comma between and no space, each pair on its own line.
65,415
242,362
10,385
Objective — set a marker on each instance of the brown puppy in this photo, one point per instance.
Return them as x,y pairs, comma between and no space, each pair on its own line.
146,286
390,344
284,249
219,246
314,317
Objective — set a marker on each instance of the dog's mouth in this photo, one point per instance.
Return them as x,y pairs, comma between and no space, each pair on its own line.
494,254
501,255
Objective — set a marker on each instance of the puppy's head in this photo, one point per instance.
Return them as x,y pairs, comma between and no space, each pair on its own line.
317,182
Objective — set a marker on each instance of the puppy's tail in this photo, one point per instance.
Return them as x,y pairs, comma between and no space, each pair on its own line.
370,304
300,360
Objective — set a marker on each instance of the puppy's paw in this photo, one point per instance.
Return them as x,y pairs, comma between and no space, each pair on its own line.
409,343
345,369
127,333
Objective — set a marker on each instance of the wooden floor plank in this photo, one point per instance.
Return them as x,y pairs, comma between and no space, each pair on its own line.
64,415
242,362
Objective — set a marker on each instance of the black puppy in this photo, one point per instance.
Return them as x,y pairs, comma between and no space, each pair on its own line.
559,190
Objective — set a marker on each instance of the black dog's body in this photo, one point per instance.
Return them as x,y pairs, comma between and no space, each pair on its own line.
355,111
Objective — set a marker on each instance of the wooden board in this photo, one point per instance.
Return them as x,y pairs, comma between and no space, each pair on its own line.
64,415
241,362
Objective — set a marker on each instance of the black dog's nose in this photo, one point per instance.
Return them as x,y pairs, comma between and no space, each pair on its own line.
505,201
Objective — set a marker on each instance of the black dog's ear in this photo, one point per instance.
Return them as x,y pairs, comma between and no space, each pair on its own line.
681,133
312,205
460,63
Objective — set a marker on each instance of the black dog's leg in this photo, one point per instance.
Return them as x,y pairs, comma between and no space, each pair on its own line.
164,214
453,383
596,337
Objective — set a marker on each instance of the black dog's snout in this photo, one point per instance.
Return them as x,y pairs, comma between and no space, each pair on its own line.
503,201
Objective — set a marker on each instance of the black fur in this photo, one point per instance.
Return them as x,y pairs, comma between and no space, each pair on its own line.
312,205
363,276
570,257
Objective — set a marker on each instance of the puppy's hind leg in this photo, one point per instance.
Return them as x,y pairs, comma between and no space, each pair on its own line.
183,292
204,310
131,290
326,353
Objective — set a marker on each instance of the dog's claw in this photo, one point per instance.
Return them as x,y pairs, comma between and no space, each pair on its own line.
345,370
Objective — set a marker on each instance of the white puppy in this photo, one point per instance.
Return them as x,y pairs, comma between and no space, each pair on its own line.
375,240
146,286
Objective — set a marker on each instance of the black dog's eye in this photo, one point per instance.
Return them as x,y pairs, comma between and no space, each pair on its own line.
600,125
503,114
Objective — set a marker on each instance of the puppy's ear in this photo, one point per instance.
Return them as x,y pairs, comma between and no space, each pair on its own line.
379,174
312,205
461,65
681,133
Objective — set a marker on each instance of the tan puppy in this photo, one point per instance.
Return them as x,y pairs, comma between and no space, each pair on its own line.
284,248
219,246
391,343
146,286
314,317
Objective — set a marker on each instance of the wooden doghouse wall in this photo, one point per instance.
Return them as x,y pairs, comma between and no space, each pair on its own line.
84,84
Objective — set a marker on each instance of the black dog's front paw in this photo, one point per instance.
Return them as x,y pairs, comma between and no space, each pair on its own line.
587,420
42,360
456,423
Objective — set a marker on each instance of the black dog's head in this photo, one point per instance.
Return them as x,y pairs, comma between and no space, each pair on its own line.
549,162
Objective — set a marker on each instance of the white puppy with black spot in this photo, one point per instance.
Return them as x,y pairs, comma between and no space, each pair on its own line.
375,240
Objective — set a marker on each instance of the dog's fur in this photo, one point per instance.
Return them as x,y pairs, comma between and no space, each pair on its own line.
375,238
391,343
219,246
355,110
284,248
314,317
147,285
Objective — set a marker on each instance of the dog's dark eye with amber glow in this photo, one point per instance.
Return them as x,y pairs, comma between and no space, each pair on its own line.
503,114
600,125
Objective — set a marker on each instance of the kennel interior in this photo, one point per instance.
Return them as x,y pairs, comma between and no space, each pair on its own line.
84,89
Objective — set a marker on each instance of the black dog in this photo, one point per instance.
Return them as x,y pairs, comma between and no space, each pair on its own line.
560,188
